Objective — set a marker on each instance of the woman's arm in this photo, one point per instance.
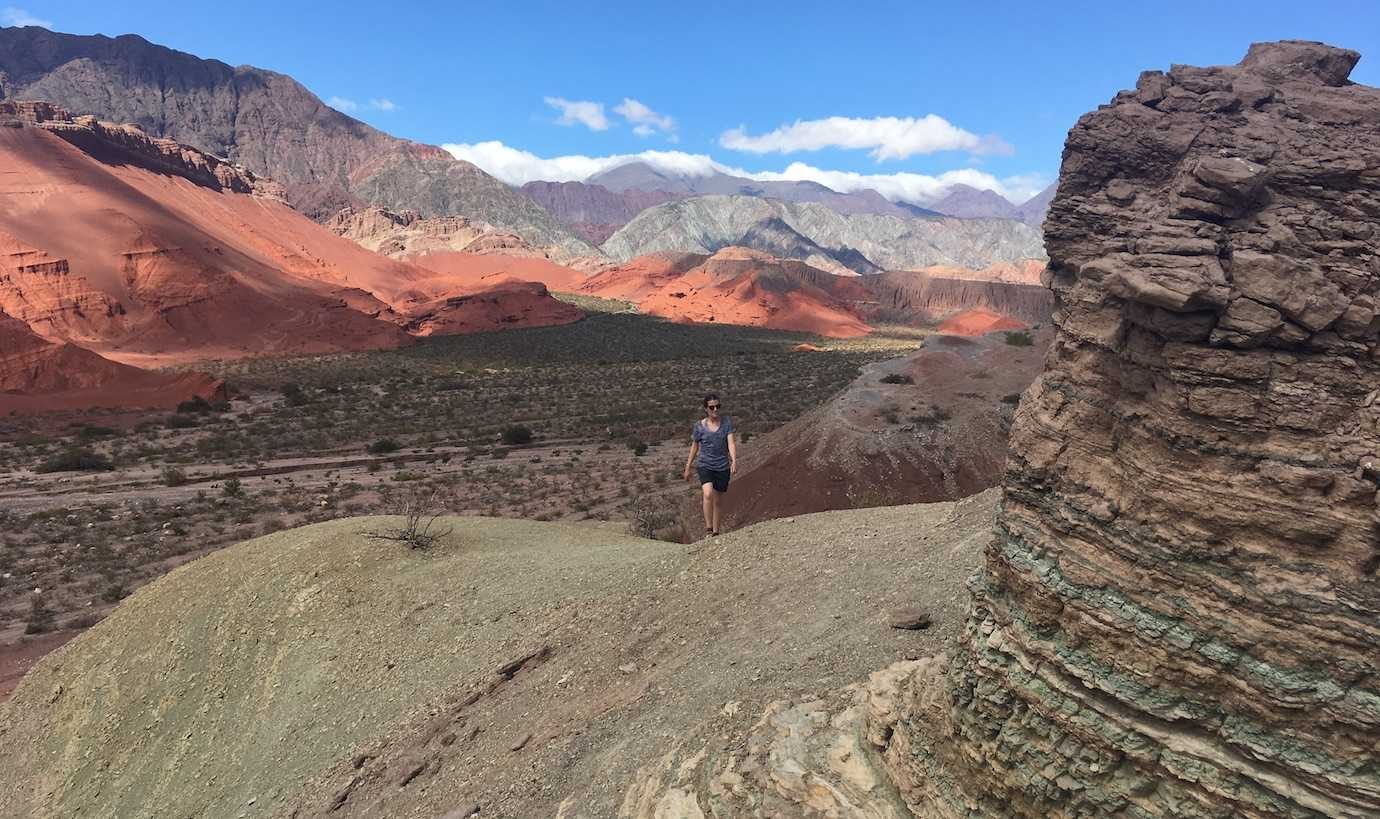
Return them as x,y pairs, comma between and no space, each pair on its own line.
732,453
694,450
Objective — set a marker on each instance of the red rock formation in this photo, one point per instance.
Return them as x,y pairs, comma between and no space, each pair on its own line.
1180,612
738,286
151,252
37,375
512,304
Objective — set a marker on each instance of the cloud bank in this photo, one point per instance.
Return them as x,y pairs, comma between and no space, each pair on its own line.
580,112
12,16
517,167
887,137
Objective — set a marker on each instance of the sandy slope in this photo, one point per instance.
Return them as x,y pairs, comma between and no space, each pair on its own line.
519,667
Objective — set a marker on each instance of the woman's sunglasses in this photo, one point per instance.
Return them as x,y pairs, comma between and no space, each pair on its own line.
711,406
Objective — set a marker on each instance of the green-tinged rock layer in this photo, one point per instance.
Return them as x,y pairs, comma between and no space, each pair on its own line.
1180,612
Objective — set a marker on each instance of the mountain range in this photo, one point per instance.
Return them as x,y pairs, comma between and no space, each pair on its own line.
267,122
704,224
326,161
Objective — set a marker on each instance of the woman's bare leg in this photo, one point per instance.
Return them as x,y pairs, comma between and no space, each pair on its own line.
708,491
717,499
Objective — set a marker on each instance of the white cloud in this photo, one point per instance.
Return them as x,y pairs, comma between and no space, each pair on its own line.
887,137
917,188
580,112
517,167
349,106
644,120
11,16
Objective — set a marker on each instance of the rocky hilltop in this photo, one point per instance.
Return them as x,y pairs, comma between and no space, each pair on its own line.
704,224
266,122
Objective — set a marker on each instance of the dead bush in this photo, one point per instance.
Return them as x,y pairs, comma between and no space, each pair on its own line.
419,507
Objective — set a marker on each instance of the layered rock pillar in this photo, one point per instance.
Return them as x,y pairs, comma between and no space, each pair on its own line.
1180,614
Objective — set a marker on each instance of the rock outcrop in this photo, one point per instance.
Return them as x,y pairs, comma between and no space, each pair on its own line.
1180,612
402,234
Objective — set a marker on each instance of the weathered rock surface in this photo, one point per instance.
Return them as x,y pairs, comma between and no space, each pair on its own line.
1180,612
402,234
268,123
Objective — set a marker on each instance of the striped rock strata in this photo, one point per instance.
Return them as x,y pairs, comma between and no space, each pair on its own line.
1180,613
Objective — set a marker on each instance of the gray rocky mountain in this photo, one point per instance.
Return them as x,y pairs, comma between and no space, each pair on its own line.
967,202
267,122
705,224
643,177
593,211
1033,210
774,236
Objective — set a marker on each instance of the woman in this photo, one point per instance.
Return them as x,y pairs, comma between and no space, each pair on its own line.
714,454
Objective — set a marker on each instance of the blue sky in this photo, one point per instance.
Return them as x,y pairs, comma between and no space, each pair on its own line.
907,95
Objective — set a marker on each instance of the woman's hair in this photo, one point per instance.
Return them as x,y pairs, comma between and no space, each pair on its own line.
709,397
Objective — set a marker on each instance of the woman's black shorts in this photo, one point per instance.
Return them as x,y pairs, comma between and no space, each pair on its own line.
718,477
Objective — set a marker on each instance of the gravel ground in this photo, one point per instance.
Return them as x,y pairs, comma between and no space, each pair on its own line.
517,667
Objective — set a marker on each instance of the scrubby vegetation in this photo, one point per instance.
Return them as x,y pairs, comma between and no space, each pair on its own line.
310,439
1020,338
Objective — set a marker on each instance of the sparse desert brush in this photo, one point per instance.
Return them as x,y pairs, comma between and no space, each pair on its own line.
1013,398
1019,338
896,378
76,460
932,416
383,446
516,435
172,476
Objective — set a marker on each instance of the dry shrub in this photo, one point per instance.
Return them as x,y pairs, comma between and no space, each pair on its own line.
420,507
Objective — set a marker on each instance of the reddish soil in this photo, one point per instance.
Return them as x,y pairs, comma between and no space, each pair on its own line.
978,321
17,657
38,376
153,268
737,286
509,304
483,271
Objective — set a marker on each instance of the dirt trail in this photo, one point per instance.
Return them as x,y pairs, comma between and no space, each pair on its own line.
521,667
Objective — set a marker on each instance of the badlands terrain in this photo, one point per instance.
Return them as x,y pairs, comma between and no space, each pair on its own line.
265,342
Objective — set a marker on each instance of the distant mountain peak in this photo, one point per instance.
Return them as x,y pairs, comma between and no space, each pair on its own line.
968,202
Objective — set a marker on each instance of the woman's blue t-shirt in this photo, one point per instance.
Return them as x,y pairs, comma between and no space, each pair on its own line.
713,444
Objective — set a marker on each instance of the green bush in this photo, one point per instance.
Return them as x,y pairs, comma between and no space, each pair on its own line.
516,435
197,405
639,448
1019,338
182,422
76,460
172,476
1013,398
232,488
383,446
294,395
896,378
